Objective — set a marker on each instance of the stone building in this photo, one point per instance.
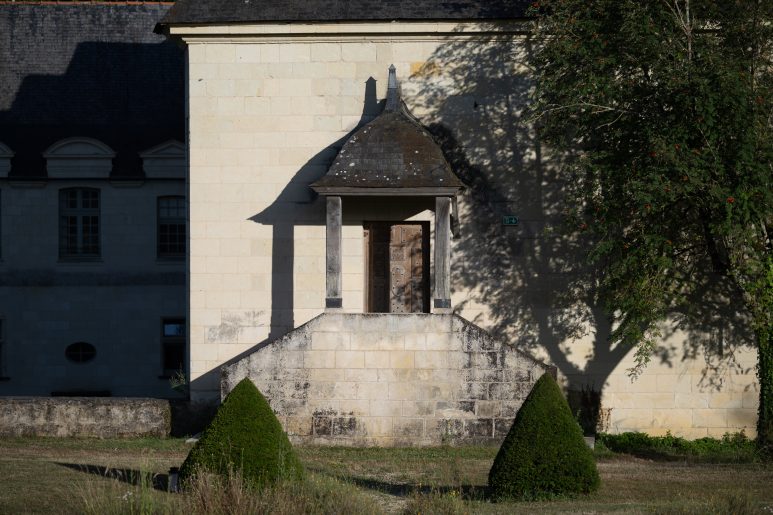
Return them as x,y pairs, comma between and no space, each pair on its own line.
379,255
279,97
92,201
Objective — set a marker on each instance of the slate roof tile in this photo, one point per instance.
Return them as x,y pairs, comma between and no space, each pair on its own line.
223,11
392,151
93,70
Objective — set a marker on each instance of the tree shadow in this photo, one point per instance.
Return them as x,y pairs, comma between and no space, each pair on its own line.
296,205
532,284
133,477
401,489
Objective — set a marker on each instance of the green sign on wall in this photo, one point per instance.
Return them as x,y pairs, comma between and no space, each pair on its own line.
510,220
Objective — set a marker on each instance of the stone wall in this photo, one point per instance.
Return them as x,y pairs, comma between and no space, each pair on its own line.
98,417
115,303
269,106
381,379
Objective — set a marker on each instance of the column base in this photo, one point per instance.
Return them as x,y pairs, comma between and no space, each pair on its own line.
334,303
441,306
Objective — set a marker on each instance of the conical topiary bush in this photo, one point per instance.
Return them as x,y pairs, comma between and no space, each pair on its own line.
246,437
544,454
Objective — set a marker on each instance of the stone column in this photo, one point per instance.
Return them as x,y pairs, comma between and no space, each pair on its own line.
333,295
442,294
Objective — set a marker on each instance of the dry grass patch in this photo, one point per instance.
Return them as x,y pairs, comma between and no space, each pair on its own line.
125,476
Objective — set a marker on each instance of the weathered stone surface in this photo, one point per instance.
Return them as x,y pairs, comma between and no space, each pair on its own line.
466,389
100,417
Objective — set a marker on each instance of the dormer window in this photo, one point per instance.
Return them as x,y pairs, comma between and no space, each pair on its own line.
166,161
79,157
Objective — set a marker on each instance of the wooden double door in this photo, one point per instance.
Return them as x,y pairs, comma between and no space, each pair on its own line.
397,267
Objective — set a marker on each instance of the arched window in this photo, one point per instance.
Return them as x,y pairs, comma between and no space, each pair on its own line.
79,223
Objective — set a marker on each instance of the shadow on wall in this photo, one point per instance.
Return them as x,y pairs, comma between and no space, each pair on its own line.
130,96
528,284
296,205
531,284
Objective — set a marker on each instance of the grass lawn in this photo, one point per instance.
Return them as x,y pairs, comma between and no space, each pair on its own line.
101,476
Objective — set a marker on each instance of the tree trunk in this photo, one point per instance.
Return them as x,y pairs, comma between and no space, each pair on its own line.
765,376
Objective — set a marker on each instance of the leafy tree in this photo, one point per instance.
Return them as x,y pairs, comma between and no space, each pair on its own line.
668,103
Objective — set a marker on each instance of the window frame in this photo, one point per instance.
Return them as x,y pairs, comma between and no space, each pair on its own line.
3,343
79,357
78,251
179,341
180,224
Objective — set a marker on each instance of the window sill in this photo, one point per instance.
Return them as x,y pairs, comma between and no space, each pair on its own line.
79,260
170,260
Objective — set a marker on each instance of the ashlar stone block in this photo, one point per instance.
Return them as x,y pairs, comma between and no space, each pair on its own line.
349,359
377,392
401,359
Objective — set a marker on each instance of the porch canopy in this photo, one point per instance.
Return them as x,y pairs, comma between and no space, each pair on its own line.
392,156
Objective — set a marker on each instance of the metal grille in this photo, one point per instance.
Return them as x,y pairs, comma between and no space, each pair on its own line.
171,227
173,345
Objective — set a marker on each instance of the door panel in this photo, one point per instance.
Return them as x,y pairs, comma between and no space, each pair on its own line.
398,274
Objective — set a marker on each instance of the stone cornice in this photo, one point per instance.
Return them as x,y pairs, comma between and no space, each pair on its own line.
373,31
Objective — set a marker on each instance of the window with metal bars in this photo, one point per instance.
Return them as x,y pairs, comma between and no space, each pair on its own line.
79,223
171,227
172,345
2,350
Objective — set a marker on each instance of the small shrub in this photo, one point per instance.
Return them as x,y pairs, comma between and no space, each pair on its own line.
732,447
544,454
245,436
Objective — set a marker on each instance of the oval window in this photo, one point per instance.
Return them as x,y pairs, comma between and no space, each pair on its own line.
80,352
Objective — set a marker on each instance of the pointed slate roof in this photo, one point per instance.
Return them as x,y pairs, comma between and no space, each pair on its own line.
392,155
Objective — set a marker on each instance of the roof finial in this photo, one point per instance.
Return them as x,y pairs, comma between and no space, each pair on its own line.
393,91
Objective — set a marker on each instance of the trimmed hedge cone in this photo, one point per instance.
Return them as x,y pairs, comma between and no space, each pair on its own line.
246,437
544,454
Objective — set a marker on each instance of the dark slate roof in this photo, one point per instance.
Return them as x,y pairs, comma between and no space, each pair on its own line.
93,70
393,152
224,11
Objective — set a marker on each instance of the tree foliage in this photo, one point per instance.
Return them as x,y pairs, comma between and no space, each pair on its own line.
668,105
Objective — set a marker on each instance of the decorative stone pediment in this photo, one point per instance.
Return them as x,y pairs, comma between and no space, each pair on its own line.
165,160
79,157
5,160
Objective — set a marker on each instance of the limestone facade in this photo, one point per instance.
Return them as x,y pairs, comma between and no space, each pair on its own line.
268,107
